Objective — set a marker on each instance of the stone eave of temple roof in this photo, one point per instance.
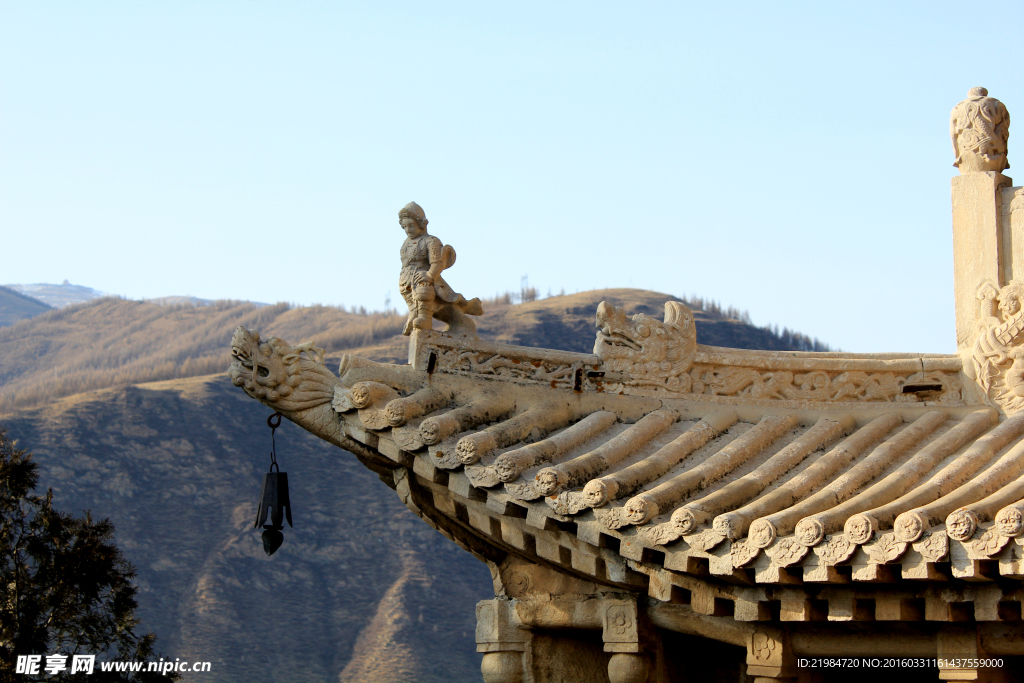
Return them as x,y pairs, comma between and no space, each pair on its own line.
811,469
783,487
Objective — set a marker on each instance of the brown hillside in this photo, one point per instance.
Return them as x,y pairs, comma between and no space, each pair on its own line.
362,591
114,342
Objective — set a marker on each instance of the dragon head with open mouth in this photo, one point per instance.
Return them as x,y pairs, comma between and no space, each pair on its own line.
278,374
645,346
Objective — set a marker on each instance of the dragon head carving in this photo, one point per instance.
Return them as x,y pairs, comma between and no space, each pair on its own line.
644,346
278,374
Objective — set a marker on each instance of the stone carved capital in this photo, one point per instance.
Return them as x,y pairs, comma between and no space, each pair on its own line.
620,626
979,127
498,628
769,655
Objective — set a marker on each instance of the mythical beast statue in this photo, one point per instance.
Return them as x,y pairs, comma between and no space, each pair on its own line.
653,352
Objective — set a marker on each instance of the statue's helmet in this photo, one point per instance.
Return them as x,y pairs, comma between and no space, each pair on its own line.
414,211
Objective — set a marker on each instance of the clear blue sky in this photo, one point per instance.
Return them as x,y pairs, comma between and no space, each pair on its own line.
789,159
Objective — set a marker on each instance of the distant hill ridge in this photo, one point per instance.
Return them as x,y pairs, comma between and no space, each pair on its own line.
15,306
116,342
18,302
58,296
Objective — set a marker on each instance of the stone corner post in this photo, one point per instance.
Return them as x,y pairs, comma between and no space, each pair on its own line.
983,245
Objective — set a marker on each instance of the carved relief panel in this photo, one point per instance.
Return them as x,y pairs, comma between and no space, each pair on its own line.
997,357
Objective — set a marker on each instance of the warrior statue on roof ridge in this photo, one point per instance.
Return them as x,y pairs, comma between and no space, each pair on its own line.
420,282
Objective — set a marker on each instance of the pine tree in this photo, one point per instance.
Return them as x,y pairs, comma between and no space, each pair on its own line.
65,588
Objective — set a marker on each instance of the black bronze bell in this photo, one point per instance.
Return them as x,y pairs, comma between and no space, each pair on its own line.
274,498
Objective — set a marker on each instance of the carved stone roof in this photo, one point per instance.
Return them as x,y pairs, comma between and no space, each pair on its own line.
746,482
771,468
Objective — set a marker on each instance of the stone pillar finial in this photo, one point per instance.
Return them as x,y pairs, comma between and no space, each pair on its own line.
979,127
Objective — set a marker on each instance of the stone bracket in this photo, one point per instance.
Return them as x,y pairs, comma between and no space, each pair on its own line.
620,627
498,628
769,654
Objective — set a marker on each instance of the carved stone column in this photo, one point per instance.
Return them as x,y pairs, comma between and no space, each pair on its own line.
979,128
770,658
978,245
501,640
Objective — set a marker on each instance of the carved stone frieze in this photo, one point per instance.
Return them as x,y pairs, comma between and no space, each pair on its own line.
979,127
470,362
998,353
817,385
661,534
612,517
482,477
567,502
647,357
444,455
667,532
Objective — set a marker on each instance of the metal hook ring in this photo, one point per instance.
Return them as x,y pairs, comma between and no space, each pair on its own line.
271,423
